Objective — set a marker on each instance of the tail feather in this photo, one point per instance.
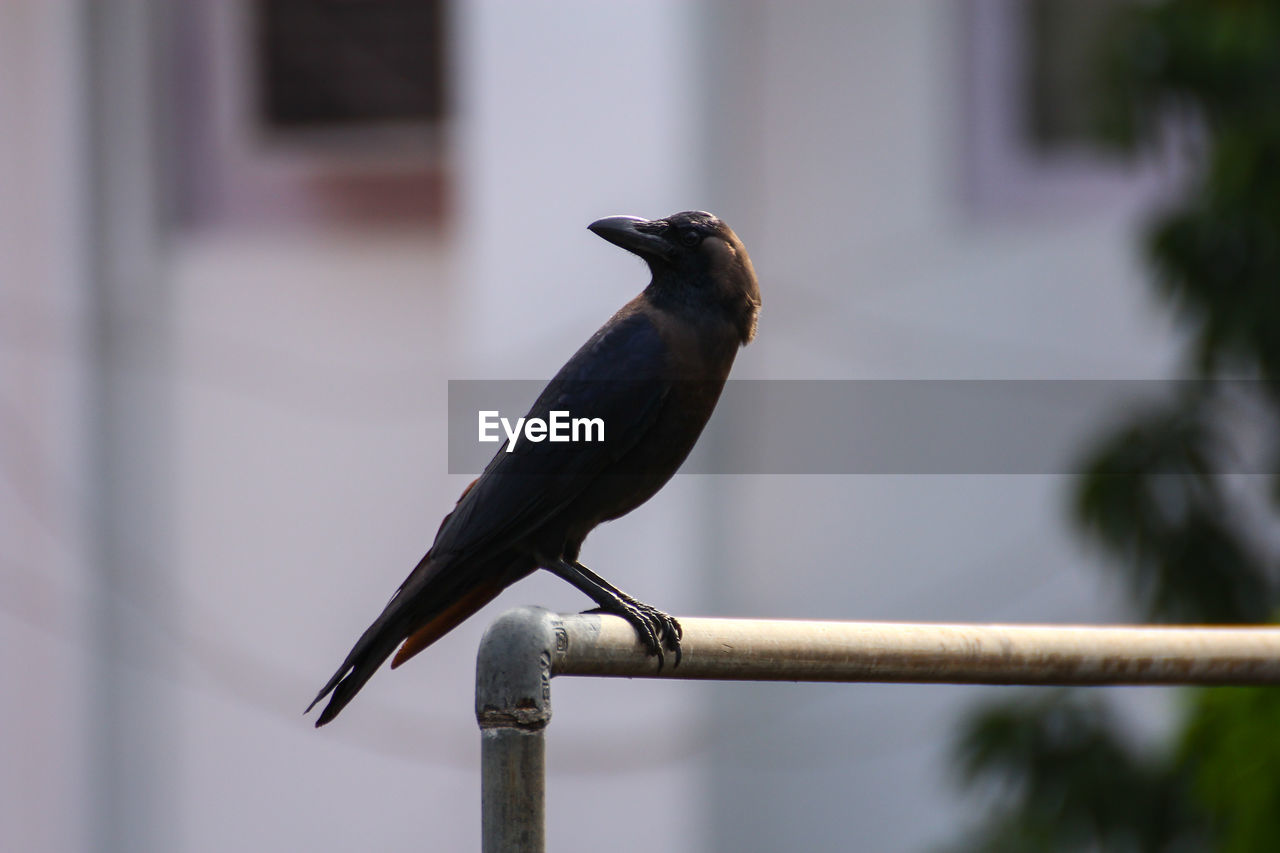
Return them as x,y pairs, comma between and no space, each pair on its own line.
379,640
447,619
374,646
435,598
358,668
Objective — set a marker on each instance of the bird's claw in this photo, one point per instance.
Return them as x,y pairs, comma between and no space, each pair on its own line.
658,631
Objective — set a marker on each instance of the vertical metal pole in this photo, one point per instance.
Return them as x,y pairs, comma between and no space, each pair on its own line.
513,796
513,707
129,423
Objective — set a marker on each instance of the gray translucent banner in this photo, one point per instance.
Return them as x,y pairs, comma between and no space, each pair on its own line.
863,426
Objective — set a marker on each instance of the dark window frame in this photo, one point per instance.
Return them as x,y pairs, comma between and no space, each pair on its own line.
232,169
1005,173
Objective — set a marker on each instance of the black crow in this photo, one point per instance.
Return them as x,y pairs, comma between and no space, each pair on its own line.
652,374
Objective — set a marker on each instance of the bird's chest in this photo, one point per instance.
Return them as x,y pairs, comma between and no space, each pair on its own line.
651,463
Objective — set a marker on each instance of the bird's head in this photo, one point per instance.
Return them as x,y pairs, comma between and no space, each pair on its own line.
695,259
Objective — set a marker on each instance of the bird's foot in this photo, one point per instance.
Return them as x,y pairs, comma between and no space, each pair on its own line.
658,631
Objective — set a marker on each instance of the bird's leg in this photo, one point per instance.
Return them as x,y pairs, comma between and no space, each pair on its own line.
657,630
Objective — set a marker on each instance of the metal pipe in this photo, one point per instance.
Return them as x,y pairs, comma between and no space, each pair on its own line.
524,648
513,778
513,707
782,650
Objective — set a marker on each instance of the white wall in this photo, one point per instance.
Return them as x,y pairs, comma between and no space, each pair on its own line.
44,705
872,266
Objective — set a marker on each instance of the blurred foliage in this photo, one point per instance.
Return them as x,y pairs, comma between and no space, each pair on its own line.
1067,778
1063,772
1230,749
1150,494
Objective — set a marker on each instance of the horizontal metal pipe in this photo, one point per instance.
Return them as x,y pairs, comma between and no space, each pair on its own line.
782,650
525,647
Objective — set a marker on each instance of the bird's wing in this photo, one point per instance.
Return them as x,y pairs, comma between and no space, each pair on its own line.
619,376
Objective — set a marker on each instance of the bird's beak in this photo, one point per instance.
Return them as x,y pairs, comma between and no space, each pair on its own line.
631,233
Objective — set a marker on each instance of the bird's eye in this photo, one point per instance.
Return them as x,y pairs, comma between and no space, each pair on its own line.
690,238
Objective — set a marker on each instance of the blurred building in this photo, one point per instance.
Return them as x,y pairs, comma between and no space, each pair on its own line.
246,244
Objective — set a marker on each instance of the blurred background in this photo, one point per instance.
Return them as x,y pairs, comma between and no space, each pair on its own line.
244,244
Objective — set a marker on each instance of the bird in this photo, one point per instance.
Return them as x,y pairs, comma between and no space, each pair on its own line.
653,374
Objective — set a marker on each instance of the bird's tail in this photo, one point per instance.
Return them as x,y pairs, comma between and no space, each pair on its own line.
430,603
374,646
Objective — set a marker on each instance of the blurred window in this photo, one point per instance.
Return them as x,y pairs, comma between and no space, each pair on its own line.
313,112
1031,95
1061,72
322,63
